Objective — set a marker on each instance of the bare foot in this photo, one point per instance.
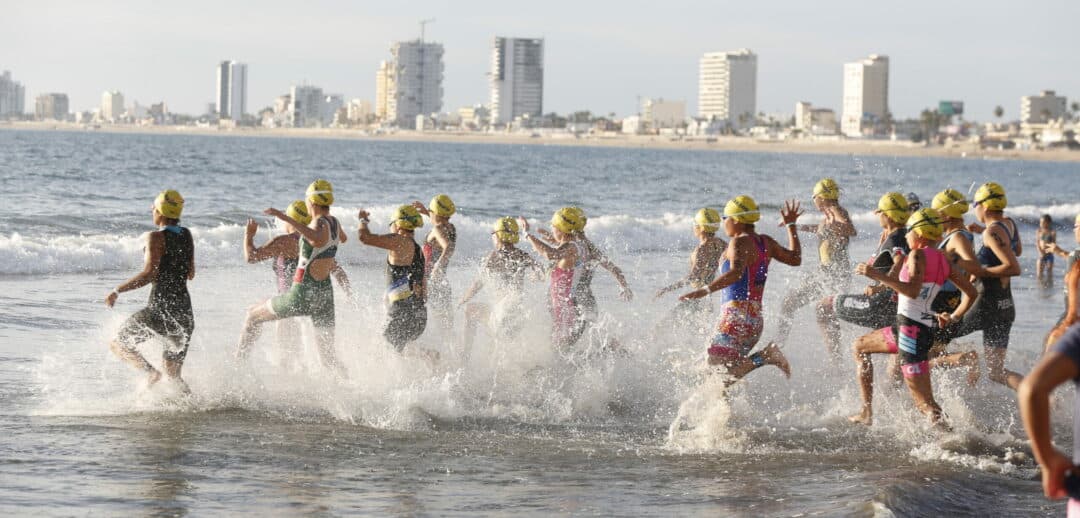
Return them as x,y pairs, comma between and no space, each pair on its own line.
864,418
774,356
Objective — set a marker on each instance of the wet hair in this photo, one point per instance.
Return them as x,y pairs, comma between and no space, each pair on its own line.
1046,219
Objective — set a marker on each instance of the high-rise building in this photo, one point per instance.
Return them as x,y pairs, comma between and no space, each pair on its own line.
727,87
385,91
416,89
306,106
112,106
51,107
866,96
12,96
517,78
231,90
1042,108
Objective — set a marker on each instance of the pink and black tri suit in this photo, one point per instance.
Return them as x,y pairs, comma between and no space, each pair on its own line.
741,323
913,333
566,324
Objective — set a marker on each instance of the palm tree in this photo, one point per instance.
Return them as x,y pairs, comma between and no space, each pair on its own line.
999,111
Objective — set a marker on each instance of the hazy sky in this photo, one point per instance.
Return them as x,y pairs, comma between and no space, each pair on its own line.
599,55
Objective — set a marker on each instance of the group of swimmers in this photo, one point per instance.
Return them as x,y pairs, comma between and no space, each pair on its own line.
928,284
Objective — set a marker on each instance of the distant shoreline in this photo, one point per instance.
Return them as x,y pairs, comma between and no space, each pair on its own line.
807,146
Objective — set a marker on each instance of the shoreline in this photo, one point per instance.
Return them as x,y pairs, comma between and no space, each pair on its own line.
741,144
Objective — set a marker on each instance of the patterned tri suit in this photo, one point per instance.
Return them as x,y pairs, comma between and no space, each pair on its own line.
741,323
913,333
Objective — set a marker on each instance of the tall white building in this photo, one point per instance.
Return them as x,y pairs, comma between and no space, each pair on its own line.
12,96
385,91
1042,108
231,90
112,106
866,96
416,88
517,78
659,113
306,106
727,87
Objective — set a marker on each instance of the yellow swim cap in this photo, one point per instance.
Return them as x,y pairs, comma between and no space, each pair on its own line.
950,203
169,204
568,220
895,206
442,205
743,209
298,210
708,219
925,223
506,229
582,218
408,218
991,196
827,189
320,192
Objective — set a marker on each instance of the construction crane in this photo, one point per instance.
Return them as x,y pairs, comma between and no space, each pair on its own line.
423,24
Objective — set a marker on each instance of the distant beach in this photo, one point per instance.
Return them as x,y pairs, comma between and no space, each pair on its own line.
805,146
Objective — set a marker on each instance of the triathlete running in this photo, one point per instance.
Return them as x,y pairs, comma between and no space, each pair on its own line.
994,311
704,263
406,309
834,266
169,265
922,275
875,308
311,293
1045,243
438,249
741,284
504,270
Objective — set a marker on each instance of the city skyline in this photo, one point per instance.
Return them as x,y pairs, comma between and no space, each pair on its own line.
985,59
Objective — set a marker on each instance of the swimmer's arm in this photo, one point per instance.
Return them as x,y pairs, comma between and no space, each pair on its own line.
960,279
448,247
844,228
280,245
155,250
916,263
384,241
1033,397
792,255
342,279
473,290
738,253
549,252
1072,281
1057,250
965,253
317,236
1010,266
698,268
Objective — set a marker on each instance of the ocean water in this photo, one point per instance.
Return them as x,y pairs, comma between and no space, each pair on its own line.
518,427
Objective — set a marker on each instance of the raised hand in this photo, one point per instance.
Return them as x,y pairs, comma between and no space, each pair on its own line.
252,227
790,212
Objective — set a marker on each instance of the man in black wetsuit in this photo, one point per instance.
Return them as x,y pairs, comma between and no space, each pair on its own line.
170,263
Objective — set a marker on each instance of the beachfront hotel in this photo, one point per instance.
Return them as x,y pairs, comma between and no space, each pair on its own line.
1042,108
866,96
411,83
231,90
727,87
517,78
